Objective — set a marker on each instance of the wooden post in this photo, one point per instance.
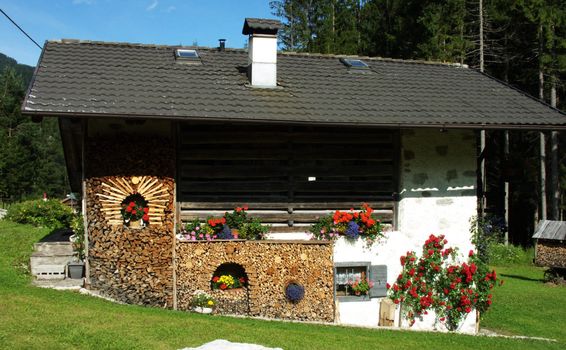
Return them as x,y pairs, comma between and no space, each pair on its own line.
176,216
482,175
84,126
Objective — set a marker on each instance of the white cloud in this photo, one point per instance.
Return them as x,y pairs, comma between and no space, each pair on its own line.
152,6
81,2
170,9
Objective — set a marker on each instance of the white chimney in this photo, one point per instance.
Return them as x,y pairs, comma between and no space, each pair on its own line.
262,48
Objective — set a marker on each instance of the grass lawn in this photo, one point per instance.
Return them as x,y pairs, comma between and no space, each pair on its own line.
33,318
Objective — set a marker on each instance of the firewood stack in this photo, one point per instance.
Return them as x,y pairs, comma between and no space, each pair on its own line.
270,266
130,265
551,253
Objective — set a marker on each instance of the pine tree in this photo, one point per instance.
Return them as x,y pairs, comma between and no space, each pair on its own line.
31,157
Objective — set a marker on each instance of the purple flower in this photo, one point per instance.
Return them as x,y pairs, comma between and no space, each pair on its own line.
353,230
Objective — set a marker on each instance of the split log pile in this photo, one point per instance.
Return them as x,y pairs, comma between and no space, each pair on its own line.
231,301
270,266
551,253
130,265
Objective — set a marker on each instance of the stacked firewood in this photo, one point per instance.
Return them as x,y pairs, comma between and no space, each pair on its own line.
551,253
130,265
269,266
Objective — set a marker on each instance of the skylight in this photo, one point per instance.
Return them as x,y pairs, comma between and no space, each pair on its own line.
187,56
182,53
354,63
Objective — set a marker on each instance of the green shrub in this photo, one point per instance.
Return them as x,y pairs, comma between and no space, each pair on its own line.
50,213
501,254
486,232
78,239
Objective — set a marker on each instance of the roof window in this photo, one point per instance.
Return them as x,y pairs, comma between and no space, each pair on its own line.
354,63
188,56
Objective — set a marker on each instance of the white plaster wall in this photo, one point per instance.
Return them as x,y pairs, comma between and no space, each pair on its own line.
428,323
437,186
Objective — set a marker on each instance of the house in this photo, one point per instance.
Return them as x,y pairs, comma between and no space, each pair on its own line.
197,131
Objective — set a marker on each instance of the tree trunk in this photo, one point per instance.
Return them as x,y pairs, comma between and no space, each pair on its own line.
481,36
554,171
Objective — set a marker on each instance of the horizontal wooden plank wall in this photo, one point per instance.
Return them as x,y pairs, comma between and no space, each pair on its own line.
288,176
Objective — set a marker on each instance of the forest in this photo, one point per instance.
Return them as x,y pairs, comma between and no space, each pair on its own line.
31,154
522,43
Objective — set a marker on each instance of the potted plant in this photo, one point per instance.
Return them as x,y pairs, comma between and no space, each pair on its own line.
253,229
360,287
75,268
225,282
135,211
202,302
349,224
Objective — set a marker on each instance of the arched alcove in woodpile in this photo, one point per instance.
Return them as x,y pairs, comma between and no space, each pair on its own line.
229,286
235,271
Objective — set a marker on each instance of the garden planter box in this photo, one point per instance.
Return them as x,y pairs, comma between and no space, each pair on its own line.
75,270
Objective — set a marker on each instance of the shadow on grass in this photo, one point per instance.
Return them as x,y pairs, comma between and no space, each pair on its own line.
523,278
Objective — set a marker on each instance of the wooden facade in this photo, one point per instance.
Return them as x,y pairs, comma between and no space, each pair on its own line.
287,175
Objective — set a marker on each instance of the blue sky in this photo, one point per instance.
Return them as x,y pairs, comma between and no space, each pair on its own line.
168,22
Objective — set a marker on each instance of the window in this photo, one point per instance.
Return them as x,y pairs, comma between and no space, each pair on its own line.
354,63
345,272
187,56
344,275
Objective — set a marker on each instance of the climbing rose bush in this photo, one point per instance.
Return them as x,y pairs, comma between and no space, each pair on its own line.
438,282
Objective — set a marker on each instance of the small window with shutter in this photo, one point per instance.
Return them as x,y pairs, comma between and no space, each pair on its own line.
346,273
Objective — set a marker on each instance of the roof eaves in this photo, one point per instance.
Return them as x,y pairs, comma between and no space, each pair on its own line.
475,126
522,92
33,77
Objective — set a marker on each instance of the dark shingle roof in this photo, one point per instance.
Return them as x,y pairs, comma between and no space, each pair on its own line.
261,25
113,79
